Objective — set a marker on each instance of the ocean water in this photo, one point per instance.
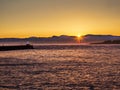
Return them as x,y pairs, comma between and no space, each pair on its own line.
61,67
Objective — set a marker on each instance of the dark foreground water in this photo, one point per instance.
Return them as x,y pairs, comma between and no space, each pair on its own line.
63,67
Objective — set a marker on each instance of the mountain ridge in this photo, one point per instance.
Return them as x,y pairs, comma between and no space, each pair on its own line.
63,39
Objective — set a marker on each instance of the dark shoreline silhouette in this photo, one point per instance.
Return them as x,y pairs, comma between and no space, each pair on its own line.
109,42
19,47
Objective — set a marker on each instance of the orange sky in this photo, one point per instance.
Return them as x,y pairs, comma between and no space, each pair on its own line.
43,18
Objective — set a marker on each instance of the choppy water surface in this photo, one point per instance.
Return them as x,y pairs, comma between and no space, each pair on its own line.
87,67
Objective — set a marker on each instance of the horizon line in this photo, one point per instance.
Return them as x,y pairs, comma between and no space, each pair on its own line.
59,36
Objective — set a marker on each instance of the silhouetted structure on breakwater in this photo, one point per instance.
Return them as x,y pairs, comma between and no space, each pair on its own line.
20,47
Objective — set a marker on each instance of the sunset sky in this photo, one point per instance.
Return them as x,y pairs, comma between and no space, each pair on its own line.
44,18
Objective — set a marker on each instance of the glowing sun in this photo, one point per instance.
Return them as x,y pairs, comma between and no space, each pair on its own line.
79,38
78,35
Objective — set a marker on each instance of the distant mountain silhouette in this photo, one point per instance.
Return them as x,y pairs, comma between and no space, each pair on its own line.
63,39
99,38
53,39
